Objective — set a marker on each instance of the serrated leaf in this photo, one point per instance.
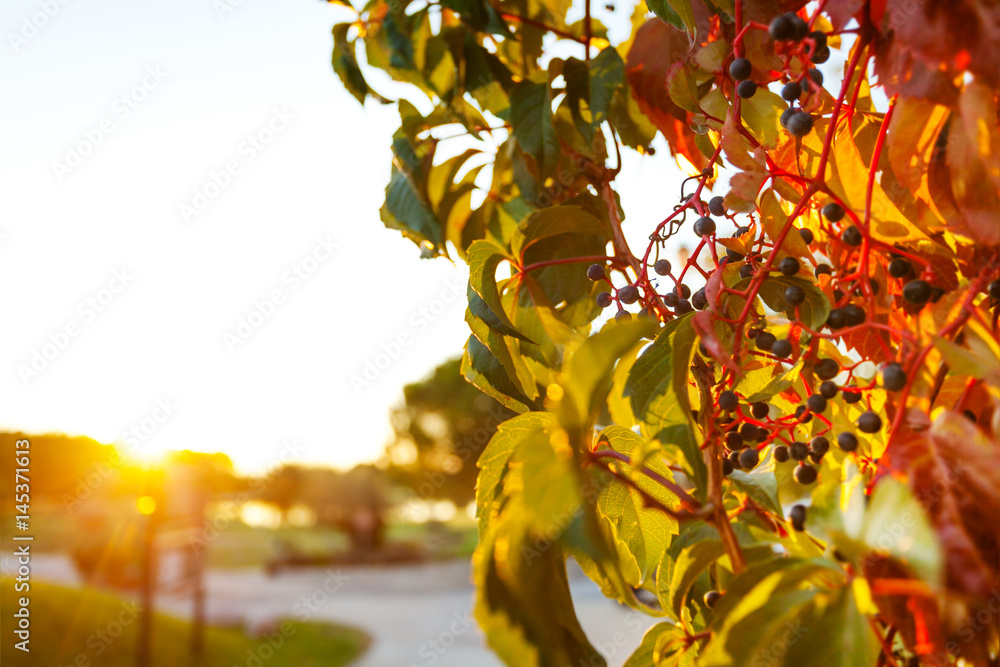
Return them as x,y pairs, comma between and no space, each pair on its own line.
761,486
531,118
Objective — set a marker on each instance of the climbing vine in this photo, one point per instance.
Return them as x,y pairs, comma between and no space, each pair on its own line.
795,423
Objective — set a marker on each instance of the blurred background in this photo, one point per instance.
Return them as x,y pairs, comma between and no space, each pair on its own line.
250,442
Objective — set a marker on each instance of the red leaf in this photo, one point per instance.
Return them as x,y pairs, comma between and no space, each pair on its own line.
656,47
954,471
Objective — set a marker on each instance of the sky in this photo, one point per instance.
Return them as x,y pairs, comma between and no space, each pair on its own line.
190,243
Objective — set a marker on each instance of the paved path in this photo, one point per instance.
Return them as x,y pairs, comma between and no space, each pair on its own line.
418,616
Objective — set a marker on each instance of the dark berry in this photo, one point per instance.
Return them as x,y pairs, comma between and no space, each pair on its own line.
869,422
662,267
749,458
833,212
699,300
799,27
781,453
799,124
816,76
819,37
789,266
826,369
762,434
851,395
740,69
828,389
816,403
848,442
837,319
734,459
794,295
797,515
734,440
732,255
604,299
671,300
781,349
855,315
759,409
704,226
791,92
899,268
711,598
727,467
628,294
819,445
746,271
803,415
852,236
798,451
781,28
683,291
970,415
807,236
821,55
740,231
805,474
786,115
623,316
717,206
994,289
937,293
748,431
917,292
728,401
874,284
823,269
765,341
746,89
595,272
684,306
893,377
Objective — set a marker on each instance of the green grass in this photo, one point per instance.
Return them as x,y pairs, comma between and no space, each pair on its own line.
67,623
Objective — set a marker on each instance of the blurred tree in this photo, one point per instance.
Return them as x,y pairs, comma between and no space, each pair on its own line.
440,430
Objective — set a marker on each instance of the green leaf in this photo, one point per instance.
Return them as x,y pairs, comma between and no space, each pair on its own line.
586,376
643,531
656,637
531,118
896,523
345,63
484,370
812,312
760,115
692,562
483,258
555,221
406,210
756,612
523,601
523,430
761,486
658,388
